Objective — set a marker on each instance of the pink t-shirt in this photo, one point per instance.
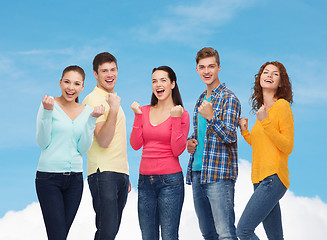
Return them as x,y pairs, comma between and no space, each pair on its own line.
162,144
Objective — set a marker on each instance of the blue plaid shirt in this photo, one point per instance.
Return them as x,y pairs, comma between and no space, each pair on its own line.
220,143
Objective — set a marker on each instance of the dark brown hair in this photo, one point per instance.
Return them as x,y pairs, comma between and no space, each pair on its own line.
284,90
102,58
177,99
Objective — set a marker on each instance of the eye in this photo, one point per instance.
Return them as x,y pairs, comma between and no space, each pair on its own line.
201,67
66,81
77,84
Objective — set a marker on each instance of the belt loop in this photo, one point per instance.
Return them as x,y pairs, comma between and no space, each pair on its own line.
66,173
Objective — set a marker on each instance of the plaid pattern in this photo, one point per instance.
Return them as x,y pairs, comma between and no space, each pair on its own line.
220,143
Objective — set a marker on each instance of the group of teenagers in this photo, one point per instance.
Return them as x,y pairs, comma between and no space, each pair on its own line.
67,129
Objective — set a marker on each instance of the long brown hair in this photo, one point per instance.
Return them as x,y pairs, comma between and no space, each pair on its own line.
284,90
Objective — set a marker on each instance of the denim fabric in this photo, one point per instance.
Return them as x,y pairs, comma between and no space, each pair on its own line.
214,207
160,201
109,192
263,206
59,196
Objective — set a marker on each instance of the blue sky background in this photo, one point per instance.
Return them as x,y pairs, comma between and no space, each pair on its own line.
39,39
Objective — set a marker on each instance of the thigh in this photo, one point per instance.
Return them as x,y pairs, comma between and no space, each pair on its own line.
72,197
147,209
170,202
203,209
265,197
221,198
49,192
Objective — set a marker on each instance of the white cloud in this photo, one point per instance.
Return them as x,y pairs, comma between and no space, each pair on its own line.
303,218
183,23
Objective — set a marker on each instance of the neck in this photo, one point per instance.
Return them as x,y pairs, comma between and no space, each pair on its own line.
212,86
64,102
165,104
269,98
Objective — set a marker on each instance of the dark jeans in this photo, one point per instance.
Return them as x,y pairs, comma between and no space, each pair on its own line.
160,201
263,206
109,191
59,195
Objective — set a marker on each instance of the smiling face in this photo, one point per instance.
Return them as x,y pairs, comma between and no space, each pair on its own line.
161,85
106,76
270,78
208,70
71,85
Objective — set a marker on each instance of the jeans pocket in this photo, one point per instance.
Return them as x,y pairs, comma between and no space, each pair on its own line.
172,179
44,176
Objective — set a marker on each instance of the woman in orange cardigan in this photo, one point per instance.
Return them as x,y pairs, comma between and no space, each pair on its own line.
271,138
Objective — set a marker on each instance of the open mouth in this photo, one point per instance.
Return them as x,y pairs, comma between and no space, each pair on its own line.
268,81
70,94
207,77
160,91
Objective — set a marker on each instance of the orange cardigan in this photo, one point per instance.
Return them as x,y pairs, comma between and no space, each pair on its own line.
272,142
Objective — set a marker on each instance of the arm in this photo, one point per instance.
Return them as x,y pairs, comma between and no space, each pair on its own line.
180,129
225,128
136,138
86,139
104,131
243,123
44,122
284,138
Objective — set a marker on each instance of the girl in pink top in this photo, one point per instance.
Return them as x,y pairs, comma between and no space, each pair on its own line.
162,129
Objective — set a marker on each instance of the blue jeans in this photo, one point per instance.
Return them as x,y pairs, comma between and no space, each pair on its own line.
214,207
263,206
59,195
160,201
109,192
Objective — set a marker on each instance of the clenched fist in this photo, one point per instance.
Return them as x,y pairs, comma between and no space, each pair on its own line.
176,111
191,145
206,111
262,113
48,102
114,101
243,123
98,111
136,107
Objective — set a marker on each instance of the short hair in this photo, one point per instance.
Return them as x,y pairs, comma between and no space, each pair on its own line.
284,91
74,68
177,99
102,58
207,52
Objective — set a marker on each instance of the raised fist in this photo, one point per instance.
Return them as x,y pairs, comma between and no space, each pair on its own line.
48,102
97,111
176,111
136,107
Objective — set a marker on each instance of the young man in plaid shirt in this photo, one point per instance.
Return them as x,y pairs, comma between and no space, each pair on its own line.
213,169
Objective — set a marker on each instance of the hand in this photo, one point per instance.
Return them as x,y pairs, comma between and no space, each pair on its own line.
48,102
191,145
129,187
262,113
114,101
243,123
136,108
98,111
176,111
206,111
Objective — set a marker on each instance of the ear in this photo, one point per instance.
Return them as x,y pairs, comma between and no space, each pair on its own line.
219,67
173,84
60,82
95,74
